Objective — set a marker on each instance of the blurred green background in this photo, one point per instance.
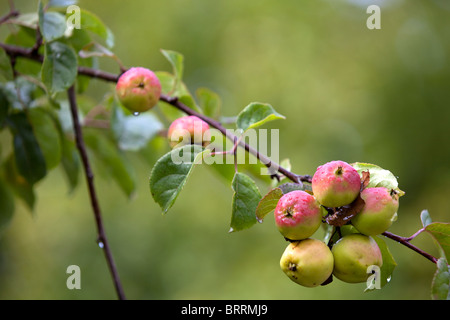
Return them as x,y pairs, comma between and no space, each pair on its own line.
348,93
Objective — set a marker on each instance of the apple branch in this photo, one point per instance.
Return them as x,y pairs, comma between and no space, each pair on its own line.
15,51
101,235
406,242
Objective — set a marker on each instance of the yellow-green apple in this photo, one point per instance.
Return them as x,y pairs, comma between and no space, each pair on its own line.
307,262
353,254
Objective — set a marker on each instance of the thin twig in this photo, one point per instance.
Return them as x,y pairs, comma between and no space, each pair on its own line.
101,239
11,14
404,241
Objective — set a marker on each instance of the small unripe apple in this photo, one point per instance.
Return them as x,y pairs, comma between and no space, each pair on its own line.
188,130
138,89
378,213
353,254
307,262
336,184
297,215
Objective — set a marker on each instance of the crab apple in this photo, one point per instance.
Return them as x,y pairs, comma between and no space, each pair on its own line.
138,89
307,262
378,213
353,254
336,184
188,130
297,215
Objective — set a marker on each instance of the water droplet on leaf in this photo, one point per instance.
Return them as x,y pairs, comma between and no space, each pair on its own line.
136,114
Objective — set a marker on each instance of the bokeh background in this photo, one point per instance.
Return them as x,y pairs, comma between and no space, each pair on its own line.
349,93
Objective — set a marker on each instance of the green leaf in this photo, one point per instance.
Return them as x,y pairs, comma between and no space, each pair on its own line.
172,86
389,263
379,177
19,93
94,24
28,155
440,231
170,173
256,114
167,81
245,200
51,24
440,286
209,102
28,20
59,69
268,203
70,161
6,70
112,161
177,61
6,205
47,135
4,107
21,187
134,132
425,218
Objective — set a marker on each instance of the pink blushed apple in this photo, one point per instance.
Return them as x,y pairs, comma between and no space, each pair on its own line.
297,215
188,130
138,89
336,184
378,213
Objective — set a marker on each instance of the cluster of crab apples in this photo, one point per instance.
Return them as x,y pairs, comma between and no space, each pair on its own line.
337,189
336,185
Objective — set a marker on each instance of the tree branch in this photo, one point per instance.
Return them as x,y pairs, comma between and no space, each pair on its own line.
99,74
405,241
11,14
101,235
14,51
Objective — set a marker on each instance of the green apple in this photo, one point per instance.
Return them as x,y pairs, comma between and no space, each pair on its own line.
138,89
378,213
297,215
307,262
336,184
353,254
188,130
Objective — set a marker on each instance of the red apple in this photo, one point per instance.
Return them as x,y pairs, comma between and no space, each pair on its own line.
138,89
378,213
188,130
336,184
297,215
